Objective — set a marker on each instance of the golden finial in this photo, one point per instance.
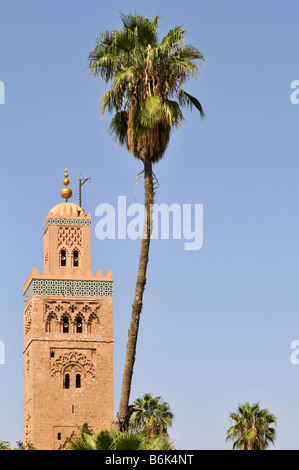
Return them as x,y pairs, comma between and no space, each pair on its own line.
66,193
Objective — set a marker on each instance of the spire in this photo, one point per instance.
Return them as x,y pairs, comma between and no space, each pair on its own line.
66,192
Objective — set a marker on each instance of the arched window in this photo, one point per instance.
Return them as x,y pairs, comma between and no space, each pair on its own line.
66,381
51,324
79,325
75,258
63,258
78,381
65,325
92,324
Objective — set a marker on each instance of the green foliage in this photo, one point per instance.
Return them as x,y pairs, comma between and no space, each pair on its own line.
147,79
252,428
4,445
147,430
151,414
133,439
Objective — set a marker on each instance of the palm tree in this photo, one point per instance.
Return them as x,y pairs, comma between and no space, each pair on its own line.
4,445
252,429
152,414
146,98
133,439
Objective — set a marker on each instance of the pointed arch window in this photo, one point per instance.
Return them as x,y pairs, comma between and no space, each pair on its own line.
75,258
63,258
65,325
66,381
79,325
78,380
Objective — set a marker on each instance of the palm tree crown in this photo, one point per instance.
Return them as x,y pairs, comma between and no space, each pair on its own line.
252,430
152,414
146,76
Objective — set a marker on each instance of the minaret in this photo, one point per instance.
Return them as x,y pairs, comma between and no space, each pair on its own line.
68,334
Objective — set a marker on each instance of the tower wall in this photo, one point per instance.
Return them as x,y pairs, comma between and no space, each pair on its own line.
68,337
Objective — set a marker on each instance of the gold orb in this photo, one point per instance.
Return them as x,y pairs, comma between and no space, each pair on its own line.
66,193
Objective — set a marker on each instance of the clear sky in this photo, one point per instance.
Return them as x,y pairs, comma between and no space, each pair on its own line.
218,322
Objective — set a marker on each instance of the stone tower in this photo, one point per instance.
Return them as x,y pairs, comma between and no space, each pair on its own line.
68,337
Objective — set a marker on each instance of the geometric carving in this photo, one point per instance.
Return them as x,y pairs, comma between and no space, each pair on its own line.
67,222
69,288
74,358
70,236
28,317
56,310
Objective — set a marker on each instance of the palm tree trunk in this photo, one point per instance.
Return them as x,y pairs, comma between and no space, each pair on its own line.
123,414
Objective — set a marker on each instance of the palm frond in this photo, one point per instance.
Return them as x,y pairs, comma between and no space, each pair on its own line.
112,100
188,100
145,30
125,77
173,113
118,127
148,114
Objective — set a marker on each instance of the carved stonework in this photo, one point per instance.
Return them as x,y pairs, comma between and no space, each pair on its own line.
70,236
27,428
73,357
28,317
27,362
88,311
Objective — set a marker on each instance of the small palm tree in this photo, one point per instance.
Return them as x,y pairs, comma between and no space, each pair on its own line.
133,439
4,445
146,97
152,414
252,428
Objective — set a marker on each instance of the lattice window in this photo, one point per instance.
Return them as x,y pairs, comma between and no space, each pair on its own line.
70,236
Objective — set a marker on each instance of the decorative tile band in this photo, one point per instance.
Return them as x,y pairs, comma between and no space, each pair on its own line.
68,288
67,222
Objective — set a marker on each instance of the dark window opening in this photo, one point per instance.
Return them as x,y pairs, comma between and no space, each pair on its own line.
75,258
59,436
73,408
67,381
52,354
63,258
78,381
65,326
79,325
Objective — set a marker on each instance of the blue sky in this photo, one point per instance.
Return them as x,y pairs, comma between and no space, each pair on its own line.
217,323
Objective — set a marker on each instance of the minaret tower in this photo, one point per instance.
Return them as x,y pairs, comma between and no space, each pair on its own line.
68,337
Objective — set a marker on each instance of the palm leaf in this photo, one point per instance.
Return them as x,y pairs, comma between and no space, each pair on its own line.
118,127
124,77
172,113
112,100
188,100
